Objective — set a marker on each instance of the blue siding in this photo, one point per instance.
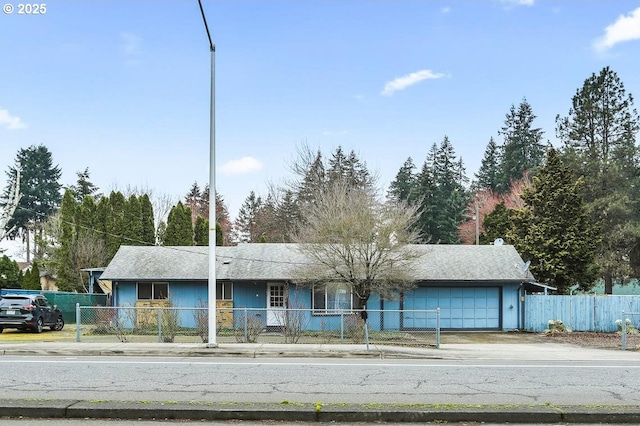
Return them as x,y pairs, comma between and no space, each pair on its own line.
250,295
461,307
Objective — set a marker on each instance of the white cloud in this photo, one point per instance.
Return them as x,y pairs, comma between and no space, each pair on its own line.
241,166
9,121
624,29
403,82
131,43
445,10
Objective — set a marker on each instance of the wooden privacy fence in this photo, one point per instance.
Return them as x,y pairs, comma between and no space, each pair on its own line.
578,312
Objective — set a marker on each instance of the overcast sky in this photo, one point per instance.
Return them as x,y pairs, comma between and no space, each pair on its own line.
122,87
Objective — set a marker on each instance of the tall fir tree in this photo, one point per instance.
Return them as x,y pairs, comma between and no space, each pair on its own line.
489,174
554,230
193,201
426,191
40,190
523,150
314,180
450,195
245,229
84,187
599,137
403,187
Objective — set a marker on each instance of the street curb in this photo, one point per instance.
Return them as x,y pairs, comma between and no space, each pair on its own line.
216,353
315,412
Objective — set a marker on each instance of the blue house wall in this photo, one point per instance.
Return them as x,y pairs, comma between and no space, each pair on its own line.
398,313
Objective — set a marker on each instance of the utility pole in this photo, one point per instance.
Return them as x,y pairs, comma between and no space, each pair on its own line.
477,223
211,342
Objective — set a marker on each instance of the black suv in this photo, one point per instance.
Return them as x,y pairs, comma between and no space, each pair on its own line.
29,311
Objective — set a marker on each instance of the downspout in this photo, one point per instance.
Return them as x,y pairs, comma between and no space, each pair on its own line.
521,307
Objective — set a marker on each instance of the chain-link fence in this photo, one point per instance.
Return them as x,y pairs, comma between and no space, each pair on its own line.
247,325
629,329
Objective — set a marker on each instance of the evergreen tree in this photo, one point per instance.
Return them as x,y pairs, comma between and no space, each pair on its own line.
84,187
40,189
179,230
116,223
599,136
222,219
287,217
86,216
10,274
522,150
245,228
348,169
201,232
133,218
203,203
313,181
31,279
450,195
497,224
63,257
443,198
100,220
148,232
426,191
403,187
193,200
489,174
554,230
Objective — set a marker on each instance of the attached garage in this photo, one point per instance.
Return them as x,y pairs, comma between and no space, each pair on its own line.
460,308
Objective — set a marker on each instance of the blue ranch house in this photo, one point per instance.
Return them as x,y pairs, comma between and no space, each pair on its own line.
475,287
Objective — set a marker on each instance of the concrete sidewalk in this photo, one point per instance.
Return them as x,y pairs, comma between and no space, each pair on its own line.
294,412
480,351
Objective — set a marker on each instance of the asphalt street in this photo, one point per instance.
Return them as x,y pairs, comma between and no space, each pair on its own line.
541,383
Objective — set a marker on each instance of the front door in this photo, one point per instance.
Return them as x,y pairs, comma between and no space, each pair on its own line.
275,304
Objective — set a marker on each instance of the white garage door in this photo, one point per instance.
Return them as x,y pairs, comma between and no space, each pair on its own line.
460,308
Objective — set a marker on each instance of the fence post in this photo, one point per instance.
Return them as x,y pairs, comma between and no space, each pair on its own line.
342,327
77,322
624,332
366,333
246,326
159,325
437,328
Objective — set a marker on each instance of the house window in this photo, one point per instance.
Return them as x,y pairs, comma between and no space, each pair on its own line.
153,291
224,290
332,298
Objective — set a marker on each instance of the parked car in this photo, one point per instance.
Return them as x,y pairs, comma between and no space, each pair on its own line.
29,311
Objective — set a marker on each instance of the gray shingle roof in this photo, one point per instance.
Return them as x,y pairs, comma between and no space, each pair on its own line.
275,262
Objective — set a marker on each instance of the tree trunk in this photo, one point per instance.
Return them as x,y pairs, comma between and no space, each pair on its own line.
608,283
28,245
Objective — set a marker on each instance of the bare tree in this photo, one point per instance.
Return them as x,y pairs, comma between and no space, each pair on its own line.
9,206
351,237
